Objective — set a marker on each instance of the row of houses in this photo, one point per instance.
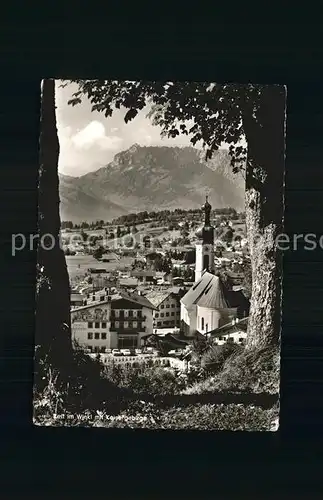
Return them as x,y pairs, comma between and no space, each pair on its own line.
112,319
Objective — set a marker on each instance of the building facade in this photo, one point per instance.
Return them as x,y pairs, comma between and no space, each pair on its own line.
168,308
119,322
234,332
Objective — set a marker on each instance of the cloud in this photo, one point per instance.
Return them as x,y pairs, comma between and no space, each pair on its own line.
94,135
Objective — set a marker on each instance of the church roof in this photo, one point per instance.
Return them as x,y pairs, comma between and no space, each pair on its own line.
207,292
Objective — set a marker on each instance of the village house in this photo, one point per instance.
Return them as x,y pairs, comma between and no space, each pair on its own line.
128,283
109,257
115,322
167,307
144,277
77,299
167,313
99,277
235,332
99,295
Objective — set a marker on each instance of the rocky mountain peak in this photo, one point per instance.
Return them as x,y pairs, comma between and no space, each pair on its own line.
153,178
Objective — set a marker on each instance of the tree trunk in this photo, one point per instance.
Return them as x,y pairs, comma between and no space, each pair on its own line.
264,213
53,327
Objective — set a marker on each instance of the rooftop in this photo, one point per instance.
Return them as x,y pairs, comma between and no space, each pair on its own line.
156,297
143,273
132,297
207,292
128,282
77,296
240,325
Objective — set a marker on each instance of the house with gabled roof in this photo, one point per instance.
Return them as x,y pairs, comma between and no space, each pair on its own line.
235,332
117,321
168,307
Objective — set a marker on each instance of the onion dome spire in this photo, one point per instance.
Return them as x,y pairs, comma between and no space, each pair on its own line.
207,211
206,232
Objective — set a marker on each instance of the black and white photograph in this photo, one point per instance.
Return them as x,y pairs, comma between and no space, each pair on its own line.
160,250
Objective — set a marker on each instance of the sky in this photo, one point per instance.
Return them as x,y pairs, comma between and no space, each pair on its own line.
89,141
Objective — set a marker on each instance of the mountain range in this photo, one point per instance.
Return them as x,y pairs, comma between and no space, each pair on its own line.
151,178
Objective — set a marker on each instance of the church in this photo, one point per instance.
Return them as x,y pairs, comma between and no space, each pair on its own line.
209,305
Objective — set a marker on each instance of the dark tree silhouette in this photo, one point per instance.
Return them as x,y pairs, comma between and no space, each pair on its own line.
224,113
53,328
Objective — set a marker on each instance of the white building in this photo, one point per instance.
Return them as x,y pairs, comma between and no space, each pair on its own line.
205,307
118,322
235,332
168,307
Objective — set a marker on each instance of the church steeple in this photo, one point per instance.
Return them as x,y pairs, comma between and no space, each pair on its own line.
207,211
206,233
205,245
